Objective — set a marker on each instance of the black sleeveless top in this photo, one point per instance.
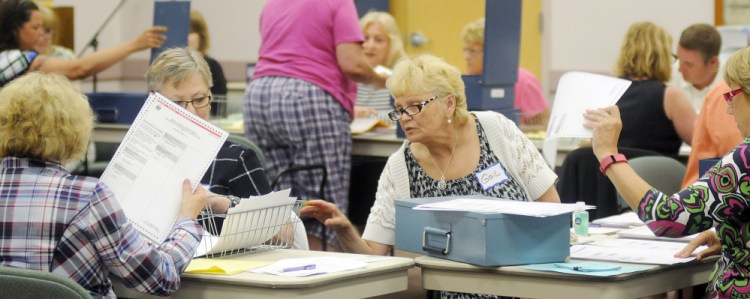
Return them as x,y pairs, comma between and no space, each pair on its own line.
644,123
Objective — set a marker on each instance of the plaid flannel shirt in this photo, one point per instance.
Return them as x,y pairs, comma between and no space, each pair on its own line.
73,226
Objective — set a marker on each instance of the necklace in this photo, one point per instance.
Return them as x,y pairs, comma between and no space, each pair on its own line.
441,184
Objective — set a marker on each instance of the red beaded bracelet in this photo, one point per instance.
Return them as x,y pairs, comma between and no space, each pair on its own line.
608,161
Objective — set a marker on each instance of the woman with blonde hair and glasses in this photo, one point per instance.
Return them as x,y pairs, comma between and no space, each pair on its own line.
446,150
383,47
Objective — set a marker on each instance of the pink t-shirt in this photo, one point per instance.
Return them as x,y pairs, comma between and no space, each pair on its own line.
529,97
299,39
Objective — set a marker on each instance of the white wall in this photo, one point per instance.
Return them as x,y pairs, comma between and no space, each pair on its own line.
233,24
577,34
586,35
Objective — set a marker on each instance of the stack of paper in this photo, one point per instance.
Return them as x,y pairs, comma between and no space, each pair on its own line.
631,251
535,209
625,220
645,233
252,222
577,92
365,124
298,267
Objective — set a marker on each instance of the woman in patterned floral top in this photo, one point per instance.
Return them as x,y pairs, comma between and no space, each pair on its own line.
719,199
448,152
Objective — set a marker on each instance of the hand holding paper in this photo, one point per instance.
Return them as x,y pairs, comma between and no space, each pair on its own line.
606,125
576,93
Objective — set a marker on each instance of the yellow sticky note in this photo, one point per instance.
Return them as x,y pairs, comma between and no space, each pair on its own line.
222,266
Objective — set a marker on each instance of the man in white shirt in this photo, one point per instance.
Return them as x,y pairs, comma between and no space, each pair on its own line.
698,62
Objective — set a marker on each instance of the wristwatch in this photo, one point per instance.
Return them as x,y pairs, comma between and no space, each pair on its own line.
234,201
608,161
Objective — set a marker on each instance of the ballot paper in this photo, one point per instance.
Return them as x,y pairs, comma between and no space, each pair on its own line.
534,209
252,222
624,220
300,267
165,145
644,232
632,251
577,92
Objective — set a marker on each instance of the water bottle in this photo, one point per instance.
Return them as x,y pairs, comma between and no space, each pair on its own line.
581,220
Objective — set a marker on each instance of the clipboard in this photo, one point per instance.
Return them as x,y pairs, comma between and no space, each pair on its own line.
175,15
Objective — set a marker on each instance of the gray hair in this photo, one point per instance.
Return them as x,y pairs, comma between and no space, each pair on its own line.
175,65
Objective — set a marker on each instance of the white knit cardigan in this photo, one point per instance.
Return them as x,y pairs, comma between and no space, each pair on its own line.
518,155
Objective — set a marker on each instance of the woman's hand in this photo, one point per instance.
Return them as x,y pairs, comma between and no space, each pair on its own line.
192,202
327,213
219,204
606,124
151,38
708,238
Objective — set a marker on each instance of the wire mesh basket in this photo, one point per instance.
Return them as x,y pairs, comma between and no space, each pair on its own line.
247,230
219,105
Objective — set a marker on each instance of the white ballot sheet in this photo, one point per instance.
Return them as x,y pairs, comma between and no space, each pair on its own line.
165,145
534,209
252,222
577,92
632,251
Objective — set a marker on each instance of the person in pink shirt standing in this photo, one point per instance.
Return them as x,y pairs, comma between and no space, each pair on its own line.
299,104
528,93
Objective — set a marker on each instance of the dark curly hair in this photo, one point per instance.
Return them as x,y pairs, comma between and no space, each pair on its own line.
13,14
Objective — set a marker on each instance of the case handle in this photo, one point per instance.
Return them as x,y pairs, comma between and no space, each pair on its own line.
437,231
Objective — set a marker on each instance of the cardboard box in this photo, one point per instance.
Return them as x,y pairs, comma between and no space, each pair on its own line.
116,107
484,239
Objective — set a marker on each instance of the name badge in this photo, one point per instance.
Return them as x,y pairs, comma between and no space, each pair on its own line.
492,176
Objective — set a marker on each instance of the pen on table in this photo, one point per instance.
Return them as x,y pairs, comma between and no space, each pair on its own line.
299,268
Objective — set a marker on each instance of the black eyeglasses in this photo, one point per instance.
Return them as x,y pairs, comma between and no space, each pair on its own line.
412,110
729,96
197,103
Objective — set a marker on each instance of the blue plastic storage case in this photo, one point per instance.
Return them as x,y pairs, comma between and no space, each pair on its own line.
116,107
484,239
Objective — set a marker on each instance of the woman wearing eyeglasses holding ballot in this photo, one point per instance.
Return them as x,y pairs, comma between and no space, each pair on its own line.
719,199
446,150
183,76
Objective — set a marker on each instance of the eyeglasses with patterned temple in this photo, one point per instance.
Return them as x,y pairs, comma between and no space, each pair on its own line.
412,110
729,96
197,103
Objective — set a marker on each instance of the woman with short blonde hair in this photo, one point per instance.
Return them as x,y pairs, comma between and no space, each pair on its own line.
445,151
383,47
45,121
52,123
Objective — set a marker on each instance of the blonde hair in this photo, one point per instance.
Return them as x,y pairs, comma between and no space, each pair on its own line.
645,52
198,25
174,66
425,74
473,32
396,45
737,70
43,116
49,19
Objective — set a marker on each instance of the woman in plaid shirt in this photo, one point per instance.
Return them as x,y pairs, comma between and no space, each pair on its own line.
73,225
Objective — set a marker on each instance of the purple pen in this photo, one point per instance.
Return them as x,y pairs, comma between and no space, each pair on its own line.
299,268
